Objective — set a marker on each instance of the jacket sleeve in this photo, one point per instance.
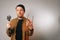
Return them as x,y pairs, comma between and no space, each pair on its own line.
29,32
10,30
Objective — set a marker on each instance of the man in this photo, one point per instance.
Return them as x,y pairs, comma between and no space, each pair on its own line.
20,28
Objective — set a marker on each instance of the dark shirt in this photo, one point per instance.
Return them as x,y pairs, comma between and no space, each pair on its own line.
19,30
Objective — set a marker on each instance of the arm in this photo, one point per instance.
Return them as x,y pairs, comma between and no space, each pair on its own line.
30,27
9,30
31,32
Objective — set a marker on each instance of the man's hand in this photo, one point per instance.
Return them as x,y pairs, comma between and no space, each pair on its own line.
29,24
8,25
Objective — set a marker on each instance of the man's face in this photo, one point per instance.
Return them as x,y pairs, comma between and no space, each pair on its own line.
20,12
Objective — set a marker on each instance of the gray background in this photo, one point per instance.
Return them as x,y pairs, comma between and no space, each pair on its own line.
44,13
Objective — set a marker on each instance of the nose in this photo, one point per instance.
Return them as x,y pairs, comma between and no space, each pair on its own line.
19,12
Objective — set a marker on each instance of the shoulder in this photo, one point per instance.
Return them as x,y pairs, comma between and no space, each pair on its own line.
26,19
13,20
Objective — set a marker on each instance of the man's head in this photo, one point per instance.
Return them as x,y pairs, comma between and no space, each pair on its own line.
20,10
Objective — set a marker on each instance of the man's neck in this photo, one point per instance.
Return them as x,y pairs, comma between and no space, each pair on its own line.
19,18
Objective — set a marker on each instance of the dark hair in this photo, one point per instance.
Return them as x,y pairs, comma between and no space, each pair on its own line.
20,5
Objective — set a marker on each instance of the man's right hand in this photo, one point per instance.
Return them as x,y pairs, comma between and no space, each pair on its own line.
8,24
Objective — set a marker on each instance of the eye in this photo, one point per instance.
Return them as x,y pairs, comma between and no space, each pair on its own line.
21,10
17,10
